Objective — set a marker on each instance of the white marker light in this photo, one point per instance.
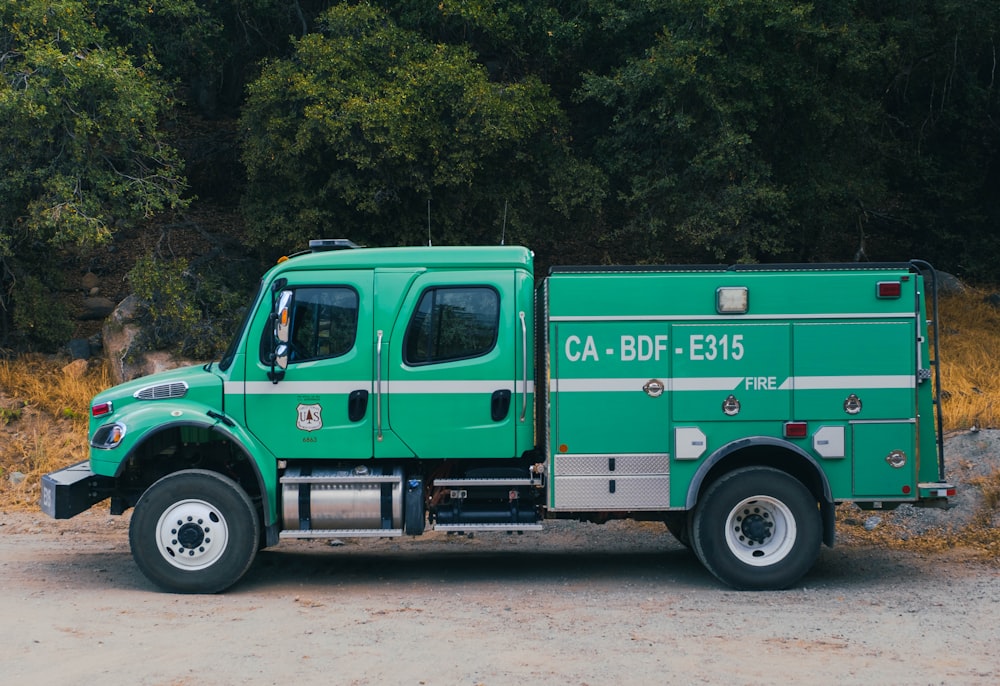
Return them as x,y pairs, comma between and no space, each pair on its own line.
732,300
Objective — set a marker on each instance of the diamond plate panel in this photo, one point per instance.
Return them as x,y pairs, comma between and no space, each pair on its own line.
612,493
587,465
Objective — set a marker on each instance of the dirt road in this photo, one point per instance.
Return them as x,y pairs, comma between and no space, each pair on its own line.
577,604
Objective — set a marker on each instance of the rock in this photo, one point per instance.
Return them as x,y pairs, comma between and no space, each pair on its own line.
79,349
993,299
947,284
75,369
90,281
119,336
872,522
16,478
96,308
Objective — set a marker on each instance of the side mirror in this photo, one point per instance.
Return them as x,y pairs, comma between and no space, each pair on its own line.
281,355
283,317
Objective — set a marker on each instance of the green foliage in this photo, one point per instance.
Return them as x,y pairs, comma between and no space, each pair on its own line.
82,152
183,34
190,313
368,123
209,48
593,131
38,315
80,126
735,134
162,287
941,134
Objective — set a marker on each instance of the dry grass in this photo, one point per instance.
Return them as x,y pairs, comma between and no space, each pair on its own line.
43,423
43,417
970,361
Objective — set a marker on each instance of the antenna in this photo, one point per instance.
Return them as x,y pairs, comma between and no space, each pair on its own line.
503,231
429,244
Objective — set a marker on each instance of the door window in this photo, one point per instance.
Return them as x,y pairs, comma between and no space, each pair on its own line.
324,323
452,323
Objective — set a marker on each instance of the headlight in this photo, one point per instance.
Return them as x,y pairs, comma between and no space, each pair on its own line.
108,436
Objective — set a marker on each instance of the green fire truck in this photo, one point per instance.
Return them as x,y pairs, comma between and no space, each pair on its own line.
382,392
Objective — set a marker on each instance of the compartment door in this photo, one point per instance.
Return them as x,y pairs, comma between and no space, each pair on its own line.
878,446
609,387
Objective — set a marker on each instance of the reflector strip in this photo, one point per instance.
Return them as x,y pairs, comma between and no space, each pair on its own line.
733,383
818,383
778,317
388,386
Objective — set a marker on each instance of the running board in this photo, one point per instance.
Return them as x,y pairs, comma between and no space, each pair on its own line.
341,533
501,526
487,482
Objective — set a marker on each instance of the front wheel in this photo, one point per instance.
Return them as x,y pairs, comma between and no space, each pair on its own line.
194,531
757,528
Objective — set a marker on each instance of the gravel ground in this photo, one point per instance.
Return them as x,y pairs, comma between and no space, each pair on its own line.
576,604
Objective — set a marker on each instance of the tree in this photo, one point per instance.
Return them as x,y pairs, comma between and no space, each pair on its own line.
372,131
940,133
742,132
82,151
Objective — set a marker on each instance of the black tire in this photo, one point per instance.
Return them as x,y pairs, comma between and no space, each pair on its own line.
194,531
757,529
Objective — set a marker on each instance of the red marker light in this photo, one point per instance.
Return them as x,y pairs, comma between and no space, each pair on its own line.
101,409
889,289
796,430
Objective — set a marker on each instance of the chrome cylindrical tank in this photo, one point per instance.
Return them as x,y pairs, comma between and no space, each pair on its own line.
361,497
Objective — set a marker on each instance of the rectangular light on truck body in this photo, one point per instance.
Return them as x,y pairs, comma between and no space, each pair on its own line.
732,300
889,289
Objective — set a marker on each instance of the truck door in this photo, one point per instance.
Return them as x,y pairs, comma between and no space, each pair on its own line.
321,407
448,367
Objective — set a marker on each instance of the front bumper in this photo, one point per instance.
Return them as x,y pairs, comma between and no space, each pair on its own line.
70,491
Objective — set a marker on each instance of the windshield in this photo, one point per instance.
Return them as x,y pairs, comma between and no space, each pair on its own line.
230,354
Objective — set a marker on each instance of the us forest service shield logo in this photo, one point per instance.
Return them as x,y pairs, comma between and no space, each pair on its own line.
310,417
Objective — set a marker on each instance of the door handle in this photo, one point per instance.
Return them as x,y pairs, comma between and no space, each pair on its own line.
524,365
357,405
500,405
378,383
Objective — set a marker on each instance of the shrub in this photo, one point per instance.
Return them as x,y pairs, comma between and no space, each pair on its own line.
42,319
184,311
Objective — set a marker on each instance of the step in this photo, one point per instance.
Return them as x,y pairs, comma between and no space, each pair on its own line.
487,482
500,526
341,533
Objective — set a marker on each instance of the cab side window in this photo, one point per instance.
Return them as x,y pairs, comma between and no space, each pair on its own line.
452,323
324,323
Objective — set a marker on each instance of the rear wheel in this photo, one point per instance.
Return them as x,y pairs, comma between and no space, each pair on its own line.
194,531
757,528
